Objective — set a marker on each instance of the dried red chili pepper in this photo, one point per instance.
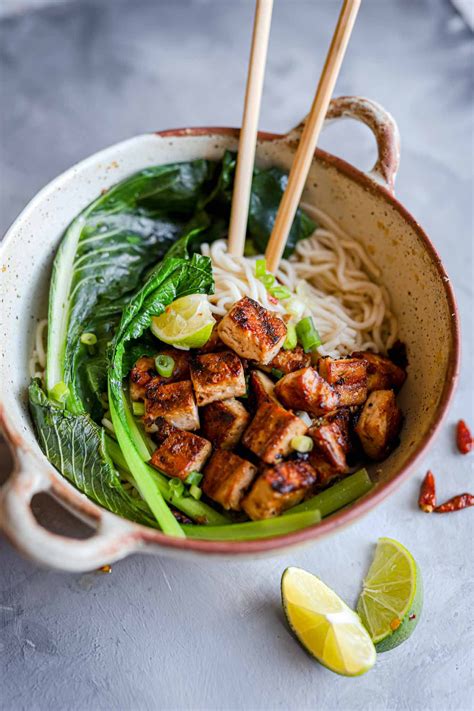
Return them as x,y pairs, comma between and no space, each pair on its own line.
464,438
457,503
427,498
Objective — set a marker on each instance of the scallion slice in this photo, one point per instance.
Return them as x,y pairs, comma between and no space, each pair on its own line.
307,334
138,408
176,486
89,339
195,492
260,268
164,365
302,444
278,374
267,280
194,478
280,292
291,340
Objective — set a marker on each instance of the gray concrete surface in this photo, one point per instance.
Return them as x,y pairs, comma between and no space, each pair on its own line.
160,634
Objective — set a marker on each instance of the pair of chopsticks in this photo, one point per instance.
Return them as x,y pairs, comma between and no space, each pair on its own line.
309,138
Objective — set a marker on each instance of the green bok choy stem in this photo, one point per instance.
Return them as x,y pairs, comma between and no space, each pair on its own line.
250,530
341,494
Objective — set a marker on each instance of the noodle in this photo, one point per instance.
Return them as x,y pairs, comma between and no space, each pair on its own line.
334,277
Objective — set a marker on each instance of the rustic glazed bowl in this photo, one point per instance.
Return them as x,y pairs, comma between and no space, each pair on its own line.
363,204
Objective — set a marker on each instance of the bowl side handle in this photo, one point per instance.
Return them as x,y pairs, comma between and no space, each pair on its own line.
382,125
112,539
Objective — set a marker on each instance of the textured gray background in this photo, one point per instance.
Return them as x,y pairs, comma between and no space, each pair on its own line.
174,635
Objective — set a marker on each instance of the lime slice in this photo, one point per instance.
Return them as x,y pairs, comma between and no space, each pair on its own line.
326,627
392,595
186,323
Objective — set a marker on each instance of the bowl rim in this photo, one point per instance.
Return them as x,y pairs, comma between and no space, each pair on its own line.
141,534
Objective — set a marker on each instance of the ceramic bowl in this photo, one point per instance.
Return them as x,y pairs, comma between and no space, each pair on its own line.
363,204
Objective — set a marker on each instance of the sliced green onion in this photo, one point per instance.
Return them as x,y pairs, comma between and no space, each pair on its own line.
267,280
249,530
302,444
59,392
195,492
338,495
138,408
291,340
260,268
307,334
89,339
280,292
194,478
277,373
164,365
176,486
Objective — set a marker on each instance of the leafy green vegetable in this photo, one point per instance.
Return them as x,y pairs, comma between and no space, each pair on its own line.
75,445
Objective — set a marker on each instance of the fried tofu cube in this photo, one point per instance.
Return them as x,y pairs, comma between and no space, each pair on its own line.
379,424
382,373
252,331
278,488
141,375
144,371
224,422
180,453
217,376
262,389
306,390
271,431
332,443
226,478
289,361
348,377
174,402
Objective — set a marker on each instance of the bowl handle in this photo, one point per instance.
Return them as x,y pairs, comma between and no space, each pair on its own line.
382,125
113,539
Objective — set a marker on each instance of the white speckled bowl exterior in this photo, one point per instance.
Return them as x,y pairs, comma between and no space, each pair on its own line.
362,204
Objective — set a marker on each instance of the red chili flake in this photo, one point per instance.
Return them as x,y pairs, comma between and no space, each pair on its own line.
105,569
412,617
464,438
427,497
272,300
457,503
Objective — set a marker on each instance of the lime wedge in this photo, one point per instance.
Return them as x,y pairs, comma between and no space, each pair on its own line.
186,323
392,595
326,627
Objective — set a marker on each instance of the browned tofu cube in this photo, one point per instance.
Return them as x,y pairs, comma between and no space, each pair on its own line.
262,389
348,377
252,331
217,376
278,488
144,371
180,453
271,431
289,361
306,390
331,445
174,402
224,422
379,424
382,374
226,478
141,375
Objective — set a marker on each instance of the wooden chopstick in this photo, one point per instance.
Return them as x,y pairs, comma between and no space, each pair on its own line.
309,138
248,134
